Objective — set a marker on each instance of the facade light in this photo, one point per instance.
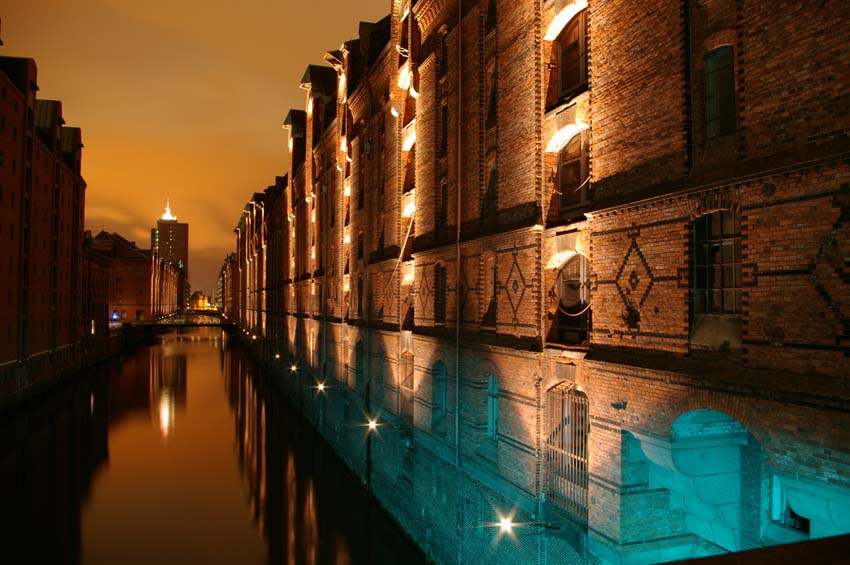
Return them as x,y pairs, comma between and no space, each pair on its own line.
404,76
409,210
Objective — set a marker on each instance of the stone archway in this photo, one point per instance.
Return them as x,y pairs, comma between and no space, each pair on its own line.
713,468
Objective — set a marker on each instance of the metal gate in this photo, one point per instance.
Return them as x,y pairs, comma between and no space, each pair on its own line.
567,427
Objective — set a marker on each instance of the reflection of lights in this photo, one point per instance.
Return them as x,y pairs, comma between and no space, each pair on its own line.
166,414
91,403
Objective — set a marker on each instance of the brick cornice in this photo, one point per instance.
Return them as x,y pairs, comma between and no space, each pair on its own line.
426,12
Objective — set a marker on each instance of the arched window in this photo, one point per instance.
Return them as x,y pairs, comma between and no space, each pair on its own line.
567,428
573,287
572,172
492,407
568,61
438,398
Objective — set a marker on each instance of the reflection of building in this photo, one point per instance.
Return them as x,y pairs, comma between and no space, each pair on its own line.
613,289
170,241
166,388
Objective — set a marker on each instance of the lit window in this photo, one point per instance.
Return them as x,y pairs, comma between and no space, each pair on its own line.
574,300
568,61
572,172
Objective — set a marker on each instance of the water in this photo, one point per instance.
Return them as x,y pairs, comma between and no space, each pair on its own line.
180,454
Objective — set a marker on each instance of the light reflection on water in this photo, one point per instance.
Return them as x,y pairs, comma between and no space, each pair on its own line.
180,454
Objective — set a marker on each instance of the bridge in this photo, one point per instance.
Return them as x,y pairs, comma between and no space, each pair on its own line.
192,318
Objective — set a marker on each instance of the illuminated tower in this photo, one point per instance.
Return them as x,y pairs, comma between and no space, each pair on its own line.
170,241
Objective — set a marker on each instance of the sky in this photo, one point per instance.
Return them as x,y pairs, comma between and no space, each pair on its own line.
179,98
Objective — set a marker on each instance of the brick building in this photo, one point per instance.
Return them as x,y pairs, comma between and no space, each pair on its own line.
142,284
43,195
589,259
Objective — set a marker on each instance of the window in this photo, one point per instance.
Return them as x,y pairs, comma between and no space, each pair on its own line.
492,96
567,428
491,15
717,263
407,388
442,54
358,365
720,92
573,172
379,379
490,291
440,294
574,300
568,61
438,398
782,512
492,407
441,220
360,297
444,130
490,205
360,245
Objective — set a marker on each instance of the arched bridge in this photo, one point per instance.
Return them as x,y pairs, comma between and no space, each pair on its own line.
193,318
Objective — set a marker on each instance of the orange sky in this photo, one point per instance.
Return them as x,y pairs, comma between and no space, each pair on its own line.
179,97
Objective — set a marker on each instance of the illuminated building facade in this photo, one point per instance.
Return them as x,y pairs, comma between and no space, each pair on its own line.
170,242
588,259
41,226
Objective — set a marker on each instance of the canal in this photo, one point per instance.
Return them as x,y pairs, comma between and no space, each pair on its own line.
181,453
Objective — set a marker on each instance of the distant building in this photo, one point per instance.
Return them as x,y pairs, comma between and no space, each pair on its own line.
170,242
129,279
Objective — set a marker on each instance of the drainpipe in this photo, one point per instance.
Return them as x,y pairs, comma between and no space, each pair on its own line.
458,218
459,155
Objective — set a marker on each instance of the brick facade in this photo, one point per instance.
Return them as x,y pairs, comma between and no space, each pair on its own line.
492,245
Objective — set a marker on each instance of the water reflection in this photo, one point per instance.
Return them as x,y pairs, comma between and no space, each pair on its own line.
311,508
180,454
